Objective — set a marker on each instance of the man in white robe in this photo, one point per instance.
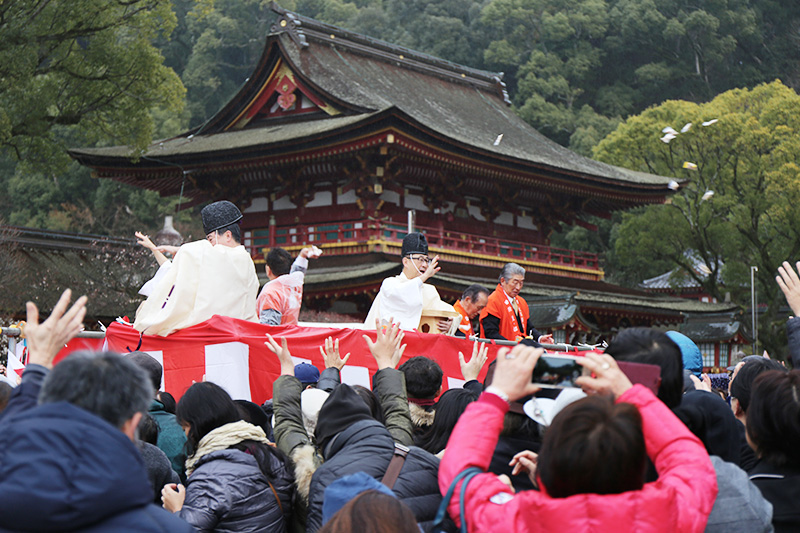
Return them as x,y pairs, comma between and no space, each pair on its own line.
215,276
404,297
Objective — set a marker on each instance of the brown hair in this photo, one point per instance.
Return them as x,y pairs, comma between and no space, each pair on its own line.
372,512
593,446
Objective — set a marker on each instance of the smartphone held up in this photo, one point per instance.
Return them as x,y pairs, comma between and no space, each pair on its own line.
557,371
561,371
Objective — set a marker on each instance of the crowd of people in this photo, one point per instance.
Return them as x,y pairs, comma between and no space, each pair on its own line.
91,444
94,443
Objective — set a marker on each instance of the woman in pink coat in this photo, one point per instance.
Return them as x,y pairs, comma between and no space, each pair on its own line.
578,492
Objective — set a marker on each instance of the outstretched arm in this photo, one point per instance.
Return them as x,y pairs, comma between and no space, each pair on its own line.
789,282
289,429
389,384
144,240
45,340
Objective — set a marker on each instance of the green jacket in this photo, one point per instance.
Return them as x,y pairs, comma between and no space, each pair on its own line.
389,385
171,438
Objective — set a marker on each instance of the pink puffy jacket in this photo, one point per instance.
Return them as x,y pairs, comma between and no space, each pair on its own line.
679,501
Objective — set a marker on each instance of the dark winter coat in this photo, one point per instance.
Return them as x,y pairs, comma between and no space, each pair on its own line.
793,333
367,446
781,487
159,470
228,492
712,421
63,468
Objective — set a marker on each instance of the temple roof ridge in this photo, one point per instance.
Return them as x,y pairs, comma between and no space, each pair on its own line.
300,28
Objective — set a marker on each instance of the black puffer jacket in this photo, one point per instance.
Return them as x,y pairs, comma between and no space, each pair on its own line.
228,492
367,446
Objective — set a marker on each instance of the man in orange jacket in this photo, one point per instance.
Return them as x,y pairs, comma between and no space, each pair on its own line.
472,302
506,316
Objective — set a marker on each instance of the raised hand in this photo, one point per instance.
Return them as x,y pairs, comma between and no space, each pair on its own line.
168,249
789,283
701,384
525,461
46,339
387,349
330,353
608,377
284,356
144,240
431,270
514,369
471,369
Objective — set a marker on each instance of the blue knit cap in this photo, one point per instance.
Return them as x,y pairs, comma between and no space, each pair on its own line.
692,358
344,489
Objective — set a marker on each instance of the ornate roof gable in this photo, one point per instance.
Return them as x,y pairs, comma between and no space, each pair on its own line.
282,94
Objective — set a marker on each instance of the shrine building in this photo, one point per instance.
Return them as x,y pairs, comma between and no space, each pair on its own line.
338,139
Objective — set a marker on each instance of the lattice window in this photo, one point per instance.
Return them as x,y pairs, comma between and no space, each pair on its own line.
707,350
724,353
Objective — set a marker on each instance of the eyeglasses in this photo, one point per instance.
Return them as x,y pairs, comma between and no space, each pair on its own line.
516,282
424,259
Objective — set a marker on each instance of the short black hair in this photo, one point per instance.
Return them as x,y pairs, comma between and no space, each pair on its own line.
653,347
473,291
170,405
741,387
423,377
148,429
372,401
235,230
773,415
279,261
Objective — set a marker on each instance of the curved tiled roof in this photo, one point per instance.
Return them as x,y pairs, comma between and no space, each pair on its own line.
459,110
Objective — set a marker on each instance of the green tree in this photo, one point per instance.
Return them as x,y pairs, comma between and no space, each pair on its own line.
449,29
738,206
552,52
227,38
664,49
83,67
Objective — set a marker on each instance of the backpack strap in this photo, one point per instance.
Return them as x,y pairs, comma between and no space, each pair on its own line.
395,465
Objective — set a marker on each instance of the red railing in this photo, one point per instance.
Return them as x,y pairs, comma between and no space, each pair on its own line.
365,231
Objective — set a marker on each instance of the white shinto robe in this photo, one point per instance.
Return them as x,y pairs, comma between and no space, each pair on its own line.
202,281
403,299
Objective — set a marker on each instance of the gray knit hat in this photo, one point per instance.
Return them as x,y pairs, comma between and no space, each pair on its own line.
218,215
415,243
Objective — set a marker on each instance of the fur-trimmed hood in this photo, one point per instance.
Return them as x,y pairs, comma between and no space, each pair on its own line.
306,462
419,416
